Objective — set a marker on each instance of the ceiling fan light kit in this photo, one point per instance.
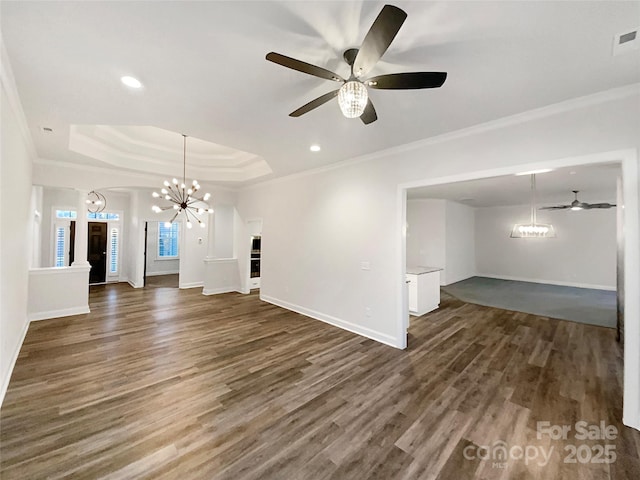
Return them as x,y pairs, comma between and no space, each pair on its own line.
182,197
353,97
533,229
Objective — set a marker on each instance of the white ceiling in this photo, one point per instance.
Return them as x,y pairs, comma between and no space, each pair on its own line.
596,184
204,73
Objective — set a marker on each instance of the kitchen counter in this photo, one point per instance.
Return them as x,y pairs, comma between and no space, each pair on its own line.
420,270
423,284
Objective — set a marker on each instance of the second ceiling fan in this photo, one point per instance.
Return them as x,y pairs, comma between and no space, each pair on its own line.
353,97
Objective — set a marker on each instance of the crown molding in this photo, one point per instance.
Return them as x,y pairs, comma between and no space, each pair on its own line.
155,177
8,82
516,119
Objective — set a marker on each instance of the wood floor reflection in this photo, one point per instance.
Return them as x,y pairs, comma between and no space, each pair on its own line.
171,384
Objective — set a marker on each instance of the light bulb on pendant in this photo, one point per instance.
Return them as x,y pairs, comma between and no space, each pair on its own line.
353,98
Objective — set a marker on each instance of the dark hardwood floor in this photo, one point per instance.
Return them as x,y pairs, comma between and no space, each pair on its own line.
170,384
163,281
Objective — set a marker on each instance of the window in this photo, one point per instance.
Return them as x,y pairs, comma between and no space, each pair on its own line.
66,214
168,240
60,246
102,216
113,250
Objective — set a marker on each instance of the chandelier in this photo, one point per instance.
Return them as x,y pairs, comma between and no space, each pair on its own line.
533,229
96,202
183,199
352,98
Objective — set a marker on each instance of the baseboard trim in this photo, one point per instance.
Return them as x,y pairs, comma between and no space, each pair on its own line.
133,284
12,363
191,285
549,282
336,322
64,312
219,290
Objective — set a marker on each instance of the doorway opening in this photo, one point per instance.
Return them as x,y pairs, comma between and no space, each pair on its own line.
628,159
97,252
253,270
464,229
161,254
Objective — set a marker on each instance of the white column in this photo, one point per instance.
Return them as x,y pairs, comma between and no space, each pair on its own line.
82,231
211,240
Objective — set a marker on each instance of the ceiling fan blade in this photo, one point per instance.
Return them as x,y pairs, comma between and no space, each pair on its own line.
378,38
557,207
589,206
369,115
321,100
303,67
407,81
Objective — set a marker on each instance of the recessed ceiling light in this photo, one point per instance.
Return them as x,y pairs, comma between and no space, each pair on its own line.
314,148
131,82
572,172
532,172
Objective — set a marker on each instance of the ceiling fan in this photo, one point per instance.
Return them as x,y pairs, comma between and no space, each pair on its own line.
353,97
578,205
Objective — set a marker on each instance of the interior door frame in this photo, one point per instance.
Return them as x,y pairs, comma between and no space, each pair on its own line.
628,159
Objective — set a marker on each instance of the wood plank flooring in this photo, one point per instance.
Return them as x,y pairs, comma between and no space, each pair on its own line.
168,384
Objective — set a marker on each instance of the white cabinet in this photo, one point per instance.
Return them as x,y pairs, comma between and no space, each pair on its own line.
424,289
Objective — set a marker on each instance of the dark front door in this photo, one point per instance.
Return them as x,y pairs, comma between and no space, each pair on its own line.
97,252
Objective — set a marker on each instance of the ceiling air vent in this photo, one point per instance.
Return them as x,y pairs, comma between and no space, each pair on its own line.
626,42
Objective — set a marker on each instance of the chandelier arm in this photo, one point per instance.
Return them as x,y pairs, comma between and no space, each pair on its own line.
174,217
174,195
189,212
166,208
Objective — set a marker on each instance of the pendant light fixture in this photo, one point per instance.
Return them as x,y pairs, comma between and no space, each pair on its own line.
183,199
533,229
96,202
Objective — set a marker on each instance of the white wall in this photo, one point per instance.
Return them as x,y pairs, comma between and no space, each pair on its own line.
224,241
193,251
155,265
440,233
426,233
320,226
583,253
16,223
58,292
52,198
460,245
36,226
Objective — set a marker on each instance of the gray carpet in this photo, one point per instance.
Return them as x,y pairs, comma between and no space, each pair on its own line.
584,305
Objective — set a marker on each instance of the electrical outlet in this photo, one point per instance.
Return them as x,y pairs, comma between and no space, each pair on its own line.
365,266
367,312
